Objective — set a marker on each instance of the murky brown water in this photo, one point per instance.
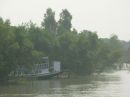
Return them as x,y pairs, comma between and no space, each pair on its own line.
105,85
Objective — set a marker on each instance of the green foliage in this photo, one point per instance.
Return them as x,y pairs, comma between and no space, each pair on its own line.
25,46
64,24
67,42
7,46
80,53
126,52
110,52
49,22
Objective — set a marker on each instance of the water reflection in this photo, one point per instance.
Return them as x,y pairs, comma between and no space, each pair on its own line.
125,86
105,85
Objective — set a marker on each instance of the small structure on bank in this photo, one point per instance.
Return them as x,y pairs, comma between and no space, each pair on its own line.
42,70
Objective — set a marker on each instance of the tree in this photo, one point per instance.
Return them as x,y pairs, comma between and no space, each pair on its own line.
24,52
66,50
87,48
7,49
116,49
127,54
49,22
64,24
110,53
43,41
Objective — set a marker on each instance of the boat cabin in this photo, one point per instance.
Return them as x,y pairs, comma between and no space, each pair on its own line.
43,68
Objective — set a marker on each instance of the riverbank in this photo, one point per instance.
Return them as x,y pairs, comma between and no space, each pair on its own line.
62,76
114,84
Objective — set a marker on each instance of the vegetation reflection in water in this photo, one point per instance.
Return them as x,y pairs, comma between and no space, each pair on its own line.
105,85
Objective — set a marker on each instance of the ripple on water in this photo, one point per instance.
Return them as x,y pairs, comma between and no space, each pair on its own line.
105,85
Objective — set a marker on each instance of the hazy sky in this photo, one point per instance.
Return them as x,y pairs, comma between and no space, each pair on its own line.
104,16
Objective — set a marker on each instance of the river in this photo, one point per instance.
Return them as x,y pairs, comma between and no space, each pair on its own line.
116,84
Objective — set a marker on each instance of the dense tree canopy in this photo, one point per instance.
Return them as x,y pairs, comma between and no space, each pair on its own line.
49,22
64,23
6,45
80,53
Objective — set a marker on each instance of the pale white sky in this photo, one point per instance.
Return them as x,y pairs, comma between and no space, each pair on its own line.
104,16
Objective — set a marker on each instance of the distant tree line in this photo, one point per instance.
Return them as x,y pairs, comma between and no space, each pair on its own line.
79,52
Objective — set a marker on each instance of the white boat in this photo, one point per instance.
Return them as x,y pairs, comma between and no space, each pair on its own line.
43,70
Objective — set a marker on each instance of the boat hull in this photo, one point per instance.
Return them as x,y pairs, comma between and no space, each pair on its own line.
42,76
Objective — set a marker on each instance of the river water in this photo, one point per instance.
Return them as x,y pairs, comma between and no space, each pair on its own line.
116,84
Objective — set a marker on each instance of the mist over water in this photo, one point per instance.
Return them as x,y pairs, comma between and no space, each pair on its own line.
115,84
